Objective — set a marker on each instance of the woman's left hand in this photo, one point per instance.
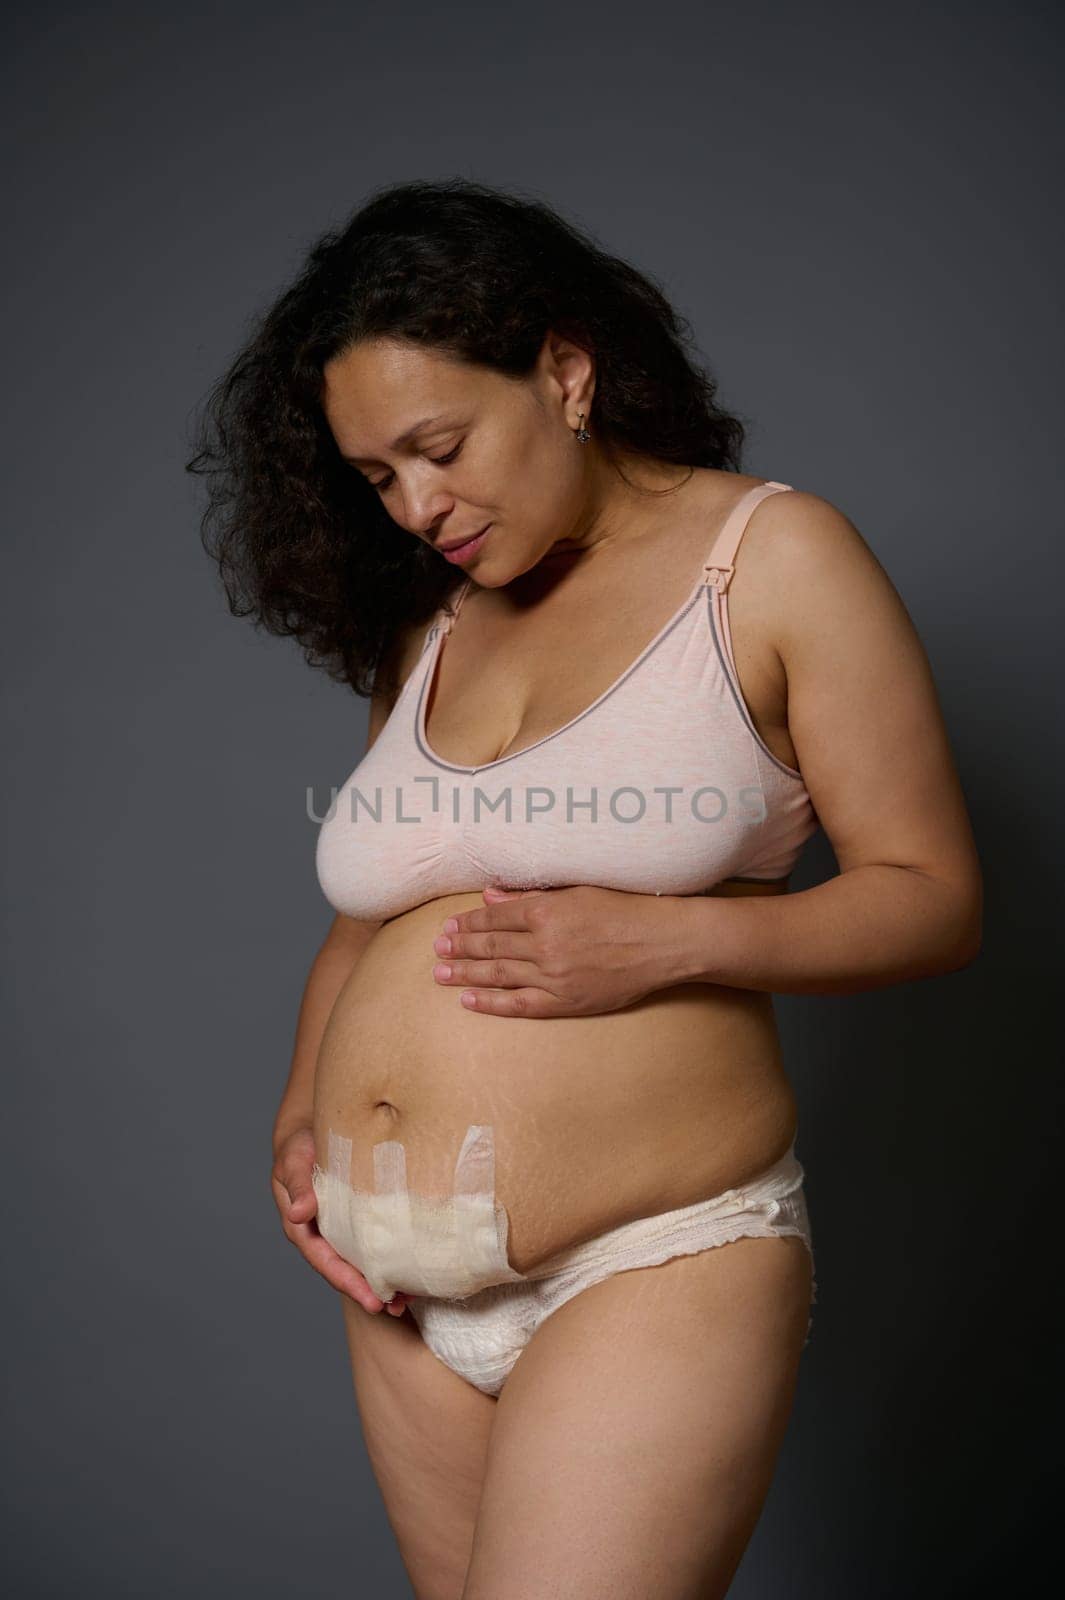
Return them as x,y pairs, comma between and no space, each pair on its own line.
573,952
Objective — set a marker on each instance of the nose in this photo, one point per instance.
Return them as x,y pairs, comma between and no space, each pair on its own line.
423,513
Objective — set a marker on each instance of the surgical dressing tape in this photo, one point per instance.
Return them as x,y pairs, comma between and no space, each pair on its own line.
449,1247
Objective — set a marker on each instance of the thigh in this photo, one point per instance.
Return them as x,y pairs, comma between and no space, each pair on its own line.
426,1432
635,1440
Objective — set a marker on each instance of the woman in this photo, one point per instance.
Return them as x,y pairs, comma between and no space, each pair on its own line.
537,1083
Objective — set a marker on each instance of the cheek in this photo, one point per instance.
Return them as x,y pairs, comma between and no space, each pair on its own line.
534,503
561,482
544,477
529,478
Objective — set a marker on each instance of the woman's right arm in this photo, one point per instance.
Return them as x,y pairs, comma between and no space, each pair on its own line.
333,965
293,1138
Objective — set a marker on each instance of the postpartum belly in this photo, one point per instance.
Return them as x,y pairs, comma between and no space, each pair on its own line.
596,1120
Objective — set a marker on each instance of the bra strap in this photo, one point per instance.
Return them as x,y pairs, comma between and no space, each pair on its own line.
443,620
719,567
448,620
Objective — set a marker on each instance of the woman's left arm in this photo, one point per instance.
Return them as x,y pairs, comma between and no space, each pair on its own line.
865,720
870,740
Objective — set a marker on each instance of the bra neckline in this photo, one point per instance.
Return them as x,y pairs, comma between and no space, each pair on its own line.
705,582
512,755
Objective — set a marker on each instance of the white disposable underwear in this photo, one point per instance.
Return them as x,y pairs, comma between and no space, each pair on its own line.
451,1246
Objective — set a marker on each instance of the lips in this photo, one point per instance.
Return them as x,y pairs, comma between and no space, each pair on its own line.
457,544
457,554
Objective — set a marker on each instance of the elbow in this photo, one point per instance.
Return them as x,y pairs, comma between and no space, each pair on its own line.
964,940
952,936
963,955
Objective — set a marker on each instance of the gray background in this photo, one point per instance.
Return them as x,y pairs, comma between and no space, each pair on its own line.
855,208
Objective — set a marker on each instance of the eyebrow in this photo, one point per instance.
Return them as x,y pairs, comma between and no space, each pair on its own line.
404,438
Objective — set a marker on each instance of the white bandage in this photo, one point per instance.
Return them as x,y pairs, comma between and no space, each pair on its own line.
400,1241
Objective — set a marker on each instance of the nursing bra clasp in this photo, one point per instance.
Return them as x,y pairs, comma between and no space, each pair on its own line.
417,1244
717,577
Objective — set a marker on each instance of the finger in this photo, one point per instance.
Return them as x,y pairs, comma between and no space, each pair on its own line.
514,944
339,1272
303,1202
500,914
296,1199
529,1002
319,1253
499,974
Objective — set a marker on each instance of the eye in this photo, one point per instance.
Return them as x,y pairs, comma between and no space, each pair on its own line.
384,483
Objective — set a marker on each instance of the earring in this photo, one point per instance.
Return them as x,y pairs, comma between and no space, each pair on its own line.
582,434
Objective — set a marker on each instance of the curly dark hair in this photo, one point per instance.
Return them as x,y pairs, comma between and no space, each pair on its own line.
302,541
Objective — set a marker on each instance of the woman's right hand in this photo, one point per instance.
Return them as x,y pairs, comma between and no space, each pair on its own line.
298,1205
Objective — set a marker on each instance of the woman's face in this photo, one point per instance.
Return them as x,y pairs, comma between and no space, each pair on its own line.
451,448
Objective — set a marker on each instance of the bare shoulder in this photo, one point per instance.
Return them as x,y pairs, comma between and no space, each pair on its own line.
811,567
802,532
